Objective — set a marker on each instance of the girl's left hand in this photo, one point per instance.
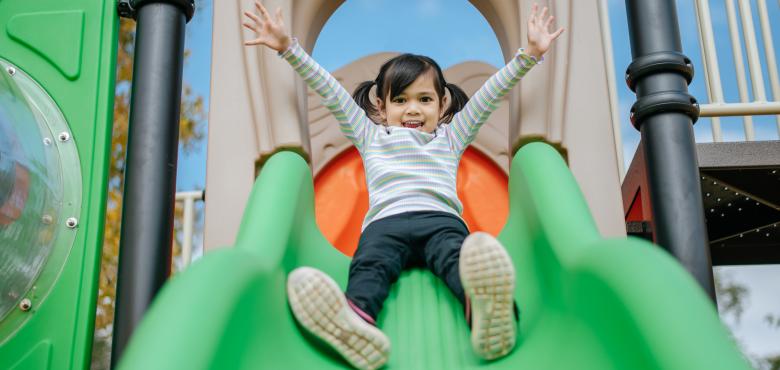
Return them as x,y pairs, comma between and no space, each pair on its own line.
539,38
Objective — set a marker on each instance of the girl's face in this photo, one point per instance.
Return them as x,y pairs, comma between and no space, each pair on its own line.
417,107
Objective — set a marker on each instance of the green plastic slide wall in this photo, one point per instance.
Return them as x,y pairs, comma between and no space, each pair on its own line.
57,62
586,302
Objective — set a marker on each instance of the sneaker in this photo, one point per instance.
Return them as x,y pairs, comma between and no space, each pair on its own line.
319,306
488,279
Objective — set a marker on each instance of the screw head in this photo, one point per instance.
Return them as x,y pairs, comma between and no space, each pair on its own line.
11,70
46,219
46,141
72,222
64,136
25,304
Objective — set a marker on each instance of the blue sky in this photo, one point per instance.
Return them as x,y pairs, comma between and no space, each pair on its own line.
453,31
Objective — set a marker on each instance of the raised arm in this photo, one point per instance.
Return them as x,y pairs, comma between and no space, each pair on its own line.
467,122
270,31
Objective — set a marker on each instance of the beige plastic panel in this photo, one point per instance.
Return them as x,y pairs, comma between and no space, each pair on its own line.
259,106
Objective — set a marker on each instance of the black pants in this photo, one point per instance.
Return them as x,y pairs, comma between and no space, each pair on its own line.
389,245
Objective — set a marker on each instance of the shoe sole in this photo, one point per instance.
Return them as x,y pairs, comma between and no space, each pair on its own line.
488,279
319,306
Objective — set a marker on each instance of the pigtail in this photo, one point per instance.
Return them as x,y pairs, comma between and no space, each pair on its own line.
363,99
458,100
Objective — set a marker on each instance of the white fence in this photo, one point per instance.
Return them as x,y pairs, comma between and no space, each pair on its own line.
759,105
187,199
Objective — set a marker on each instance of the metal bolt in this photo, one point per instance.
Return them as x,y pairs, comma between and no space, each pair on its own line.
714,183
708,194
25,304
11,70
718,199
722,215
740,235
726,188
46,141
739,209
46,219
757,203
64,136
72,222
712,210
729,204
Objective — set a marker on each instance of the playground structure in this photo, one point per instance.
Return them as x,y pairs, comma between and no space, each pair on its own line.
644,312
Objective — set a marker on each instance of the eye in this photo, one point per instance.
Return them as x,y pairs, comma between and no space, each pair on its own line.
399,100
426,99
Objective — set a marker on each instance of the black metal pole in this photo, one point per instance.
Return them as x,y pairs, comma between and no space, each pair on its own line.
150,172
664,113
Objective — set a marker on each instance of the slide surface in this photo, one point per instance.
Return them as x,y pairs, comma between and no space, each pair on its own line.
586,302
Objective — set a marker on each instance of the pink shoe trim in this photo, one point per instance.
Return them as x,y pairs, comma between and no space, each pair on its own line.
360,313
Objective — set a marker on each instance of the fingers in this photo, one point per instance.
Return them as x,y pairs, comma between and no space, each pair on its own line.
534,8
547,23
279,15
543,14
253,17
251,27
262,10
254,42
557,33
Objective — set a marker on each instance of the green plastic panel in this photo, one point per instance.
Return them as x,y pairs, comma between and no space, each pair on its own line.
586,302
63,54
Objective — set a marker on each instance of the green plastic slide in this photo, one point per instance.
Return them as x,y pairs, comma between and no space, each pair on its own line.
586,302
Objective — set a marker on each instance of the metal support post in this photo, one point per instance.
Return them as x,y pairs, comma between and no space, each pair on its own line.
664,113
150,173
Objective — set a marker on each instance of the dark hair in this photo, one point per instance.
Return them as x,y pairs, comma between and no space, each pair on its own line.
400,72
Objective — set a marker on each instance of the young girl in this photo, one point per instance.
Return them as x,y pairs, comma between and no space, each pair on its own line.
411,140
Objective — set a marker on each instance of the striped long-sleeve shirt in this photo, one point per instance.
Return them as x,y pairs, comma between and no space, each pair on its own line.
407,169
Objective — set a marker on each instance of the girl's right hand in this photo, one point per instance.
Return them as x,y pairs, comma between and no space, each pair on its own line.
269,31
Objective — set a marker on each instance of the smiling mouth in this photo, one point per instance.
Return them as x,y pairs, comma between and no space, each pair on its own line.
412,124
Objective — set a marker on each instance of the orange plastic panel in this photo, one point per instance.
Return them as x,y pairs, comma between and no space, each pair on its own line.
341,197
